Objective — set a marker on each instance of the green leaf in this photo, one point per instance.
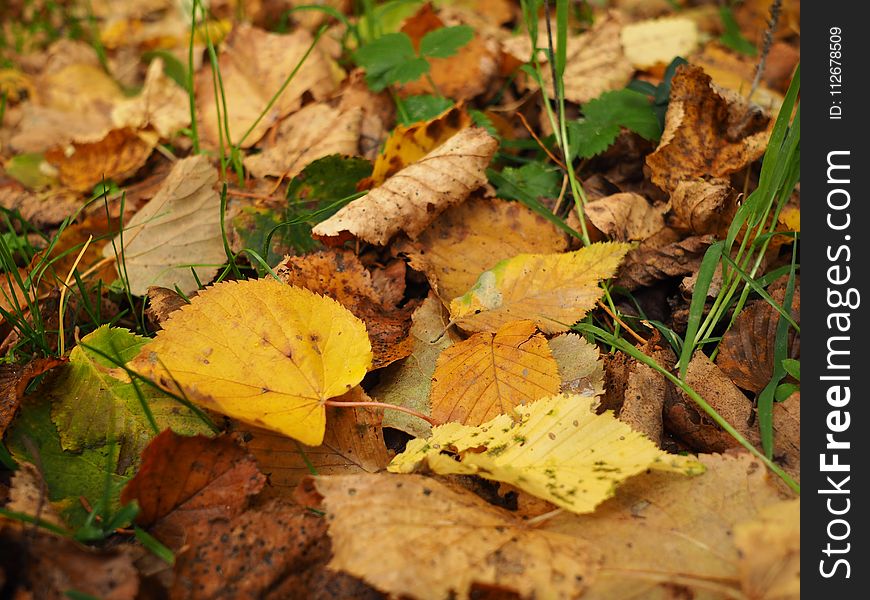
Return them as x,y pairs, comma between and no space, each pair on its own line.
389,59
589,138
534,179
27,170
481,120
784,390
68,475
172,67
92,402
327,180
603,117
733,38
409,71
445,42
423,108
792,367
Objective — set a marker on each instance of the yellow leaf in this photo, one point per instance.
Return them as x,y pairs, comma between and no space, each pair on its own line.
414,197
468,239
436,542
409,143
261,352
560,450
492,374
791,218
162,104
649,43
553,290
770,552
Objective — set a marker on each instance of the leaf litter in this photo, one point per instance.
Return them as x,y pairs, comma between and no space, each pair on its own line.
307,304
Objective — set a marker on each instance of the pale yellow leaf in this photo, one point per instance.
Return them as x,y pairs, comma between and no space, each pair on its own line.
553,290
262,352
162,104
648,43
770,552
558,449
491,374
580,366
179,229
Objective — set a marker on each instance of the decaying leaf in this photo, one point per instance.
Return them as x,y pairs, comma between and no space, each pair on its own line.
558,449
188,480
492,374
28,495
580,368
735,72
701,206
468,239
696,141
162,302
770,557
179,230
340,275
254,65
313,132
553,290
262,352
415,196
162,105
787,434
638,392
662,533
353,443
14,379
436,532
625,217
652,262
658,41
409,382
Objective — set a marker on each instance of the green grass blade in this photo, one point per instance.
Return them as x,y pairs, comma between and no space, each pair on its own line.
154,546
699,299
762,292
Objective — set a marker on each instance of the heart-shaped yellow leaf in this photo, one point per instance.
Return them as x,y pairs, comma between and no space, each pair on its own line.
261,352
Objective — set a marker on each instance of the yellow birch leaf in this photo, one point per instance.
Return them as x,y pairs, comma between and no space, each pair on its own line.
553,290
559,450
649,43
492,374
261,352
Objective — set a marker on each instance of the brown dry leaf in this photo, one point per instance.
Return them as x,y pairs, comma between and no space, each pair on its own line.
490,374
117,156
746,352
353,443
580,367
42,128
645,392
658,41
705,132
14,379
184,481
625,217
28,495
43,210
664,536
596,61
445,540
770,552
753,16
414,197
162,104
462,76
735,72
37,564
340,275
650,262
700,206
179,229
378,112
408,383
468,239
693,426
409,143
313,132
253,66
162,302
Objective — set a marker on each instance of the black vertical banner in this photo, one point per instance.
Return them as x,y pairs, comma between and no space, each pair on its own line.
835,267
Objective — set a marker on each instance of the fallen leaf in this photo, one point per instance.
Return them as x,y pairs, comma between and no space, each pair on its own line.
378,112
736,72
700,206
650,262
37,564
492,374
254,65
162,302
435,532
409,143
178,231
553,290
93,400
662,535
162,104
769,546
231,352
658,41
408,383
746,353
14,379
787,434
117,156
695,142
645,392
625,217
338,274
557,449
353,443
580,368
28,495
184,481
790,216
468,239
313,132
414,197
